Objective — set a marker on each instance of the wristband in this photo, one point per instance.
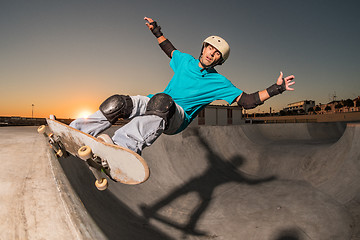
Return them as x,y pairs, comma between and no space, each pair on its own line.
276,89
156,30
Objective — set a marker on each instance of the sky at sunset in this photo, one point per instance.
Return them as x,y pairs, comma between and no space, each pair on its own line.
66,57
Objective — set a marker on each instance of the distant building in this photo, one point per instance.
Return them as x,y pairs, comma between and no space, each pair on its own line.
328,108
340,106
302,105
219,115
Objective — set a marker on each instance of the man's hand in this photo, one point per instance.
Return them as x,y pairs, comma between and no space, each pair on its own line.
281,85
288,81
153,27
148,23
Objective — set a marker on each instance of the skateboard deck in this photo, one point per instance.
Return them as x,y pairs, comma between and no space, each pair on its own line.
121,164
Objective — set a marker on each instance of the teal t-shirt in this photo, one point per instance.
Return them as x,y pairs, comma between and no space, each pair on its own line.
193,90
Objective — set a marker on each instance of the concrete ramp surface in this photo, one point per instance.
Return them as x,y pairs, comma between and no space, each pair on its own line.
251,182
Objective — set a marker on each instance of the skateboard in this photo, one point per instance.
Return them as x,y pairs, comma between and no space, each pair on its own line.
120,164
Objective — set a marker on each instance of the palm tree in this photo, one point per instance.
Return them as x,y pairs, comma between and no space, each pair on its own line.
311,110
339,105
349,103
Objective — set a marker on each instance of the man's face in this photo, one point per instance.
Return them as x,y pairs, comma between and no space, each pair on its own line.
209,55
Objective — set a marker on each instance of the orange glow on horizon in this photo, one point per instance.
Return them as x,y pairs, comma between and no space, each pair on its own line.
84,114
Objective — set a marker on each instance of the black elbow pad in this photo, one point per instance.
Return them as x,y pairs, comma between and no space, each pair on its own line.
167,47
249,101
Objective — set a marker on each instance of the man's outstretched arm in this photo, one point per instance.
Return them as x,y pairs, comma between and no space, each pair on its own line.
164,43
249,101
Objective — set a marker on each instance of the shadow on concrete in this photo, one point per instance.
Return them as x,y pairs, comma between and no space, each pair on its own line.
218,172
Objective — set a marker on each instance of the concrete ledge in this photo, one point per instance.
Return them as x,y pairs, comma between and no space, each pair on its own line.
337,117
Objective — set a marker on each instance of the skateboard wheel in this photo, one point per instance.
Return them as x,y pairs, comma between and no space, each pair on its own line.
41,129
101,185
59,153
85,152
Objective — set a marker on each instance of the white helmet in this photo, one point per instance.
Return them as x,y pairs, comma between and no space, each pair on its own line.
221,45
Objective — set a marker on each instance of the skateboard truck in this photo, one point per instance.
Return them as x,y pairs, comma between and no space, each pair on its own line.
56,145
54,142
96,165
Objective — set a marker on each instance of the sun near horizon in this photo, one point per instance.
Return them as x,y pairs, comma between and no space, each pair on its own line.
84,114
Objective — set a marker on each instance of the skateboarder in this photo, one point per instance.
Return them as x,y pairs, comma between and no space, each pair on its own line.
195,84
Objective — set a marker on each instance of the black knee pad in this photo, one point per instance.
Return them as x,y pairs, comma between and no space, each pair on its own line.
117,106
161,105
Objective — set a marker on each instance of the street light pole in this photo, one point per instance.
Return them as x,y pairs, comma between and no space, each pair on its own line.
32,110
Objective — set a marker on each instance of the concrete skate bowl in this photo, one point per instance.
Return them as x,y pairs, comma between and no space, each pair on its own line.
251,182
